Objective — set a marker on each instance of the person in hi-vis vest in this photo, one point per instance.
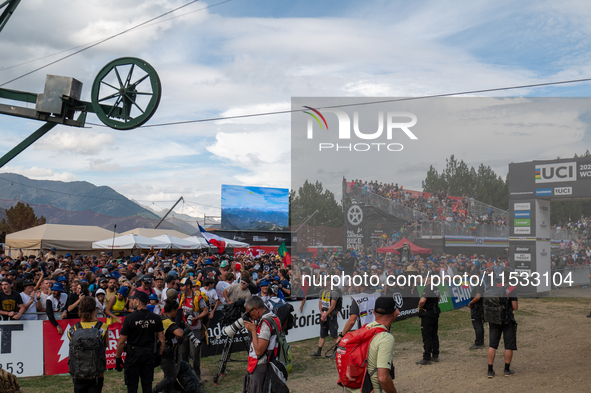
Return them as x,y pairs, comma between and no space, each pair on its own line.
327,305
361,310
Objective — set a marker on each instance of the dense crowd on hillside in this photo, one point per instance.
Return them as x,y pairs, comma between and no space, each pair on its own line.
437,208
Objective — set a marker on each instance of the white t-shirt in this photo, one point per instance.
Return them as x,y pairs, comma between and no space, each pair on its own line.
220,290
43,303
212,295
29,314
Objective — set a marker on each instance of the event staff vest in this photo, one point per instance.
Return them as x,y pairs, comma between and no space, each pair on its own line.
272,348
325,299
366,303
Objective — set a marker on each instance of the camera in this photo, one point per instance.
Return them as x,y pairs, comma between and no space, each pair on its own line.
194,340
234,317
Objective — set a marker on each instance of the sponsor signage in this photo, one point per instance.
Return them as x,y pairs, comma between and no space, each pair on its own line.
556,173
522,230
522,222
56,347
543,191
523,214
521,249
19,344
522,257
256,251
563,191
259,237
522,206
460,295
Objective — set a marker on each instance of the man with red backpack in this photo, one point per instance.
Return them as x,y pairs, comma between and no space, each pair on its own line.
364,356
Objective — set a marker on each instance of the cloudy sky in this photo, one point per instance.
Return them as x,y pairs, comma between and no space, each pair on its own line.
253,56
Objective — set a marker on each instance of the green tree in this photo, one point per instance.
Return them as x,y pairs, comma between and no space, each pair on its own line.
19,217
311,197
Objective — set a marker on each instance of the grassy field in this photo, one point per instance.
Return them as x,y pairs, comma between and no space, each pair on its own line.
451,324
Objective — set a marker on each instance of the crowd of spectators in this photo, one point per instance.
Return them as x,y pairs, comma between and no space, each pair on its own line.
51,286
437,207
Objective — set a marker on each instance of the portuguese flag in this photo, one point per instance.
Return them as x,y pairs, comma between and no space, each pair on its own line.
284,254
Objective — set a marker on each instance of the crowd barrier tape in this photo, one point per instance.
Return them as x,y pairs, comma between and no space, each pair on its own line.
56,347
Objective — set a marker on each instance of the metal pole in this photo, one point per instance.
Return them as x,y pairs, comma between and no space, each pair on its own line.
26,143
168,212
10,7
113,246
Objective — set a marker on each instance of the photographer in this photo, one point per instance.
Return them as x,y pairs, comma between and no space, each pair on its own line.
263,346
194,309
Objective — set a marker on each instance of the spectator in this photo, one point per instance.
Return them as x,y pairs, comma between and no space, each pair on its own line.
11,303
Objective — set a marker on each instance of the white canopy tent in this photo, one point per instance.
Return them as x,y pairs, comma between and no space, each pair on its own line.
130,242
178,243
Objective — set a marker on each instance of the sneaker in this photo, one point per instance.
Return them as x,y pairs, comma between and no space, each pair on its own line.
508,373
423,362
316,354
435,358
477,346
589,316
491,374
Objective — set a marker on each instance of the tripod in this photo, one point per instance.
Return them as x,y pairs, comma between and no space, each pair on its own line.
225,358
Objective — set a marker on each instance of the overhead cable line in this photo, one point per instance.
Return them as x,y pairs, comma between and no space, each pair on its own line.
365,103
97,43
101,40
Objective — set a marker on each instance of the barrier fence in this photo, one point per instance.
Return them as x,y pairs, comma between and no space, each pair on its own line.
20,341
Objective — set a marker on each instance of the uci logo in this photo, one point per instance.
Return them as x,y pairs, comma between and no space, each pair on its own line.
393,122
554,173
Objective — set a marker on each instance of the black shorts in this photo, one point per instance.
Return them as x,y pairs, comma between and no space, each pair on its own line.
509,332
330,325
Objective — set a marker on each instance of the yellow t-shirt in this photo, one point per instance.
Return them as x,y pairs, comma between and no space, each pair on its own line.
381,351
88,325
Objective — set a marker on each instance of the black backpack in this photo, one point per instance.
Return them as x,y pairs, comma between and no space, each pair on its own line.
276,378
339,305
87,352
495,305
186,379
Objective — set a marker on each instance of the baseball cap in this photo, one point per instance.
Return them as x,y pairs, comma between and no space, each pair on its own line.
58,286
263,283
141,296
27,283
196,283
186,281
62,278
146,278
100,291
224,264
385,305
153,296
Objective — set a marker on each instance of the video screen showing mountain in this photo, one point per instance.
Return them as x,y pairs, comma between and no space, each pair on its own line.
260,208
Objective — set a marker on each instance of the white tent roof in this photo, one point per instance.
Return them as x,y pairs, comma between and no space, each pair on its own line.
229,242
130,241
150,232
177,243
62,237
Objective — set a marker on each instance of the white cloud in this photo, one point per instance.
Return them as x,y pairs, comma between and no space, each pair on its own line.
103,165
40,173
75,141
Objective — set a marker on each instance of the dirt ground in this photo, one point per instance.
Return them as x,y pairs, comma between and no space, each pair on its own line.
554,355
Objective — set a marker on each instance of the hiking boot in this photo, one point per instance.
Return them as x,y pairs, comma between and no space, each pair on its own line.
508,373
491,374
435,358
477,346
423,362
589,316
316,354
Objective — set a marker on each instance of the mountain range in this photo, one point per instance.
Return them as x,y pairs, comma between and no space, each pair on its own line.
81,203
240,219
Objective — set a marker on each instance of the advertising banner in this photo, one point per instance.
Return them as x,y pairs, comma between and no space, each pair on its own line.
460,295
445,302
56,347
19,344
256,251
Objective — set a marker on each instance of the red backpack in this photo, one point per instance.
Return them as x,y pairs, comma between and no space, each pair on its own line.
352,355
